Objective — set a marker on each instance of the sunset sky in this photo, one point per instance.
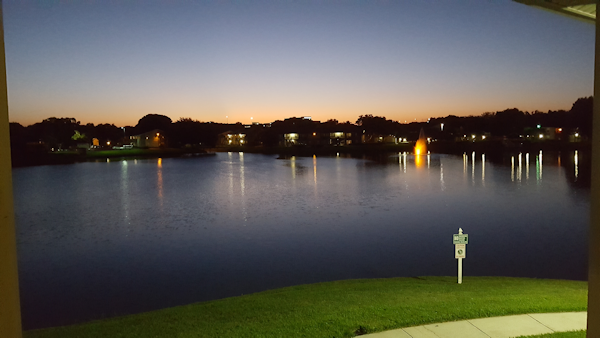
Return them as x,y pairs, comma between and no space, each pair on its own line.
110,61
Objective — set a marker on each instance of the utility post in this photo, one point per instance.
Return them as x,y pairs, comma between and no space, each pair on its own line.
10,308
460,242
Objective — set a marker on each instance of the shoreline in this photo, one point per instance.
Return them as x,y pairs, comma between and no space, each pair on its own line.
29,159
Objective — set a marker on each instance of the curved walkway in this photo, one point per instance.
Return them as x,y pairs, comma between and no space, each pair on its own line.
494,327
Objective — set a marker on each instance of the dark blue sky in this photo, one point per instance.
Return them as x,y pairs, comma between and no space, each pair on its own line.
116,61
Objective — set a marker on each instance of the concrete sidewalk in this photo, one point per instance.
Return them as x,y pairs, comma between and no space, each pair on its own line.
493,327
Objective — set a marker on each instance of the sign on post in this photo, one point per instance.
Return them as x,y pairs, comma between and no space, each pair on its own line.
460,251
460,239
460,242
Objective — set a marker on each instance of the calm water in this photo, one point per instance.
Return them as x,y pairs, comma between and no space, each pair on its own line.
107,238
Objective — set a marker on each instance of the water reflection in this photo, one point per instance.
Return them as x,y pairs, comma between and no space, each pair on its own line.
539,166
534,166
576,161
577,164
473,166
512,168
419,161
242,175
315,174
527,166
159,182
125,190
364,216
230,175
243,187
482,167
442,183
520,167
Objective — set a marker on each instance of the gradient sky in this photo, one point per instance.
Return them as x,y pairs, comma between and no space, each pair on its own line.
109,61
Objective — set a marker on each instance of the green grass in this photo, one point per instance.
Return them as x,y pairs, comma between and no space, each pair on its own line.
339,309
570,334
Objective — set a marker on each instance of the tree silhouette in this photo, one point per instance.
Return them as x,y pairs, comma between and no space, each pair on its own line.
581,114
153,121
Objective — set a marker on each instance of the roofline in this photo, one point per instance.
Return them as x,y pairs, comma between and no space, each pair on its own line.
563,10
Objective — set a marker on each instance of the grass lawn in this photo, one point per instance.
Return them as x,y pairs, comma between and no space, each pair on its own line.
571,334
342,308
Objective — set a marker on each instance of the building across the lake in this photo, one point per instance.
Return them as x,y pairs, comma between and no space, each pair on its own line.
151,139
231,139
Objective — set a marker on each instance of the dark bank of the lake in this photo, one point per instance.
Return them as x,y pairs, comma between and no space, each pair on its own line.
22,158
106,238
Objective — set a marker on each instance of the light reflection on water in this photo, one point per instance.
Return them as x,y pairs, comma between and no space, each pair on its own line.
102,239
576,160
517,172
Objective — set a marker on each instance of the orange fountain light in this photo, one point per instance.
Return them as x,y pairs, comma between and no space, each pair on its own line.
421,146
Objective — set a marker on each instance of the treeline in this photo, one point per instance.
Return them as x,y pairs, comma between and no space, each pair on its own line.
67,133
507,124
512,123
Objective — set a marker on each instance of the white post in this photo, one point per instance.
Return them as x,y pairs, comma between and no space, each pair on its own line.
460,232
460,271
460,241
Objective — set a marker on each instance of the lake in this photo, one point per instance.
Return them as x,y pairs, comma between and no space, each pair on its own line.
101,239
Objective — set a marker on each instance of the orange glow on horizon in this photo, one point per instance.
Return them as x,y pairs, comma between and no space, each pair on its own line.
129,114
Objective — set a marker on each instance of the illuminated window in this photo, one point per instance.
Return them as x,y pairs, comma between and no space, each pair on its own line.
291,136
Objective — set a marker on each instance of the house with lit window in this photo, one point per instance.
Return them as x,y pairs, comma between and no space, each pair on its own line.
293,139
231,139
340,138
322,135
152,139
